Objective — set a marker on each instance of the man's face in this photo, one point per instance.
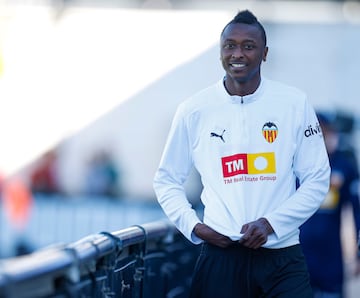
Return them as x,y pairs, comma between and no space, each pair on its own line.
242,50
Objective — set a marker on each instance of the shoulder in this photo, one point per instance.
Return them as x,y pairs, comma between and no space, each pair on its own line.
288,98
284,91
203,99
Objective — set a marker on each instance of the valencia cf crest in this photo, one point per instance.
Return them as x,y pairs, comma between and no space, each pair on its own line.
270,131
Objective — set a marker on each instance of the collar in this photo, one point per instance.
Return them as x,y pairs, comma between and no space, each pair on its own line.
246,98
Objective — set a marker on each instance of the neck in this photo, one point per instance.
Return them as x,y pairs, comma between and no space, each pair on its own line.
234,87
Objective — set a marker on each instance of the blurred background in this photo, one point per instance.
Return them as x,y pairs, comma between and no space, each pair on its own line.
88,89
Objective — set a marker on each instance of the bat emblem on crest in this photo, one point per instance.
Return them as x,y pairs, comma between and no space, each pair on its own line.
270,131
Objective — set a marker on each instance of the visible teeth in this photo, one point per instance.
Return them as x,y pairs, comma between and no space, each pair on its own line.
238,64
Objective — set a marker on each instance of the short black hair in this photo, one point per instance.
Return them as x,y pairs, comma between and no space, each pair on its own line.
247,17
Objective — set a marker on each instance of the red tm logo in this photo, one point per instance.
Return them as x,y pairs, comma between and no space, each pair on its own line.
234,165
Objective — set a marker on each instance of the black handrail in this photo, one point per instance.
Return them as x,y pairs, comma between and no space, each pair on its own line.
124,263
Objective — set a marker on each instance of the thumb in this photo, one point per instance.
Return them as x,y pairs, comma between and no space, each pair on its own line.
244,228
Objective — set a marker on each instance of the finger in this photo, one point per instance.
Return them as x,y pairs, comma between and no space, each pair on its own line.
254,244
255,240
244,228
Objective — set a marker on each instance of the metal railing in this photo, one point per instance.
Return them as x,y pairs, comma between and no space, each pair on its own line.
152,260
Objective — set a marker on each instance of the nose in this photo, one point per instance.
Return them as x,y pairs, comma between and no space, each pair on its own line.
237,52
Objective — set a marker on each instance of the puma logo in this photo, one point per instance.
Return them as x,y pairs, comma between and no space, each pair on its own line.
213,134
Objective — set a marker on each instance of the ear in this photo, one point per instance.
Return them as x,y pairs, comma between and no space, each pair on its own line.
265,53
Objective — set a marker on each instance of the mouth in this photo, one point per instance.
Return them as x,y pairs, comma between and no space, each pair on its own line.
237,65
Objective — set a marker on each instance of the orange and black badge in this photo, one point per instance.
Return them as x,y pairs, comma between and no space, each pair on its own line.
270,131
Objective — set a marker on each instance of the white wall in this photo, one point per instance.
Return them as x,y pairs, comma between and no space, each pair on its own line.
317,58
113,78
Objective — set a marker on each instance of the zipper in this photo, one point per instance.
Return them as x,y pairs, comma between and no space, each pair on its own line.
244,125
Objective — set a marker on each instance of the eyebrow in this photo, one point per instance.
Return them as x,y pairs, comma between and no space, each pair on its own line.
233,40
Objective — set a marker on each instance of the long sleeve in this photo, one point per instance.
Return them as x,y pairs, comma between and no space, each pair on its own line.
311,166
174,168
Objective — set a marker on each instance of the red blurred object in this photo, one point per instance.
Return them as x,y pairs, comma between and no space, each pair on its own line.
17,202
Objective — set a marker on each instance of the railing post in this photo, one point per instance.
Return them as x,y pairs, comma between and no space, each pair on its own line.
138,282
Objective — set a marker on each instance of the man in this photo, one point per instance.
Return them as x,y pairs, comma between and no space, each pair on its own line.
249,138
321,234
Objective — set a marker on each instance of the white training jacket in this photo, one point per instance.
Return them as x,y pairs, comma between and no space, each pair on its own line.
248,151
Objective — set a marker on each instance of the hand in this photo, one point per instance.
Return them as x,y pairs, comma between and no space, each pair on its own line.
255,233
207,234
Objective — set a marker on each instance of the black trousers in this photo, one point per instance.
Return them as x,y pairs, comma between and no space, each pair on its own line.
240,272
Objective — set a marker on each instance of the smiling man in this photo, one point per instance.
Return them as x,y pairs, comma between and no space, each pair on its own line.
246,136
243,48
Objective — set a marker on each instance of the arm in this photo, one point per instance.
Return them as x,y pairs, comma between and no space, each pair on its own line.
207,234
174,168
311,166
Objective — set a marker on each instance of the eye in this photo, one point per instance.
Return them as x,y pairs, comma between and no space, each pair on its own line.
249,46
229,46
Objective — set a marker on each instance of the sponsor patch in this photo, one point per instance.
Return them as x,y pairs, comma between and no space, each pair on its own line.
313,130
248,163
